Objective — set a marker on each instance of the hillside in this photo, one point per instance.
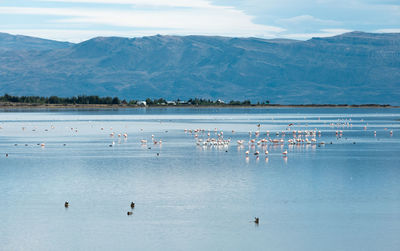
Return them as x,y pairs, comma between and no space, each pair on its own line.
11,42
350,68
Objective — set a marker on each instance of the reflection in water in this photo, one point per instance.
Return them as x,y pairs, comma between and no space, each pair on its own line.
285,158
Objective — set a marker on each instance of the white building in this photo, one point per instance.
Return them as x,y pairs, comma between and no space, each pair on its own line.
142,103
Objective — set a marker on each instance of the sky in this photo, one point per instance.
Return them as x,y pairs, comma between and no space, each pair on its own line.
79,20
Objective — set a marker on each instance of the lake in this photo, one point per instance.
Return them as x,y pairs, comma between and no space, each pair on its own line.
341,191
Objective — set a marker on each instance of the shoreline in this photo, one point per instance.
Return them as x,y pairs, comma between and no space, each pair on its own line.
17,106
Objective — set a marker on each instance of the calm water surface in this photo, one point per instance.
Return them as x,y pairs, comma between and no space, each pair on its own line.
339,196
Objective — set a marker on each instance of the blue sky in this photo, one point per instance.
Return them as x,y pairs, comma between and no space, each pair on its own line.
78,20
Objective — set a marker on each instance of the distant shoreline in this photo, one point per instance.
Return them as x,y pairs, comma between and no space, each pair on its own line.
15,106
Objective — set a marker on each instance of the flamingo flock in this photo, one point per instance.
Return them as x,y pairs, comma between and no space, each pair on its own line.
215,138
259,140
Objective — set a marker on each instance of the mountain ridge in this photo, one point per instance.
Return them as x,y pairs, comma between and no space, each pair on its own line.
355,67
21,42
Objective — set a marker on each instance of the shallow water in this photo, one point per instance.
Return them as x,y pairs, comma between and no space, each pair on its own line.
339,196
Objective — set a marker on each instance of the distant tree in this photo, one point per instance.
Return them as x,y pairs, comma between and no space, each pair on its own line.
94,100
159,101
7,97
53,100
108,100
149,101
115,101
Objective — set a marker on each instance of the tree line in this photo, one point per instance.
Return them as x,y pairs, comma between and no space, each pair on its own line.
60,100
94,100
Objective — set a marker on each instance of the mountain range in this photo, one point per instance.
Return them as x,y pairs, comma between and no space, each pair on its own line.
352,68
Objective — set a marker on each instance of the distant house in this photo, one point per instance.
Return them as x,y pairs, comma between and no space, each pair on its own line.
181,102
171,103
220,101
142,103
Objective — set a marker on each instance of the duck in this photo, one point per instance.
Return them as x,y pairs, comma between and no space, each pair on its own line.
132,205
256,220
129,213
66,204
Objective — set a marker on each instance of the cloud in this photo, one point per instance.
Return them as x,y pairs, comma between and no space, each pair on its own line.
321,33
300,20
216,20
392,30
157,3
335,31
259,18
73,35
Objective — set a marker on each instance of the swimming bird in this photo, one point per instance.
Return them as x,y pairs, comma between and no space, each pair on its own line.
129,213
256,220
132,205
66,204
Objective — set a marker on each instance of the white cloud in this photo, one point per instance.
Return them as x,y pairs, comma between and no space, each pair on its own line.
77,20
217,20
335,31
308,19
322,33
157,3
72,35
393,30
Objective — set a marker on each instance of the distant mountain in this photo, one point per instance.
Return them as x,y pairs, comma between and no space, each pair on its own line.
350,68
10,42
